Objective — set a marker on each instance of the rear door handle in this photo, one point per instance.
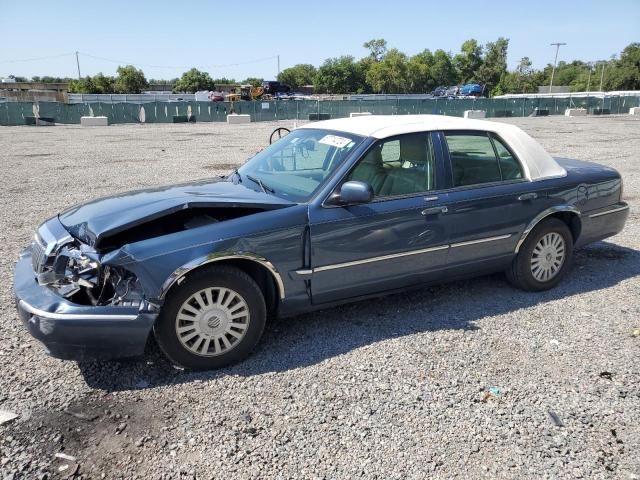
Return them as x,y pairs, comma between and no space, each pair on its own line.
528,196
434,210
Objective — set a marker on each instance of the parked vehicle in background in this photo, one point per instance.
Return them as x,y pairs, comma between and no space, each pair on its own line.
452,91
273,87
472,90
439,91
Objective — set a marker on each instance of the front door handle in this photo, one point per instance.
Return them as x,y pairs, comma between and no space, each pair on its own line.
434,210
528,196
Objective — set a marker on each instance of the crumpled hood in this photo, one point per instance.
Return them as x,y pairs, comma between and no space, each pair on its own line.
91,221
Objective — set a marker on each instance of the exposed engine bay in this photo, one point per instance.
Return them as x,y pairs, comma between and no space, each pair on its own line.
83,280
73,268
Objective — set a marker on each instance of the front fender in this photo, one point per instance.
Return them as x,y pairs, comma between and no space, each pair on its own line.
159,262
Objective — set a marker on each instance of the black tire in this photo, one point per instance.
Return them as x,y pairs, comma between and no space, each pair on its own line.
277,134
520,273
231,278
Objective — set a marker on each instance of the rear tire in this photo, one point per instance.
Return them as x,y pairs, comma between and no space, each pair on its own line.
214,318
544,257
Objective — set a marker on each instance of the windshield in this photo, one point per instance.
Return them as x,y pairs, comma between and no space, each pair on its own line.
296,165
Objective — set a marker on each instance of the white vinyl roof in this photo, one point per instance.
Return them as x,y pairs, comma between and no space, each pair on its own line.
538,164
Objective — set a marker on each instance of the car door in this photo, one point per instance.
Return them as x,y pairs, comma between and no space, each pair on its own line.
490,202
393,241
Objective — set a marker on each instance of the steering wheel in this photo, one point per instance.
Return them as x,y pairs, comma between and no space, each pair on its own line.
278,133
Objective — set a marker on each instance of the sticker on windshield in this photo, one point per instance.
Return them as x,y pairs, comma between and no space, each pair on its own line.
335,141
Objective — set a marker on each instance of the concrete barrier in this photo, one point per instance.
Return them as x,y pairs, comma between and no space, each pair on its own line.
235,119
634,111
40,121
313,117
359,114
575,112
540,112
183,119
94,121
475,114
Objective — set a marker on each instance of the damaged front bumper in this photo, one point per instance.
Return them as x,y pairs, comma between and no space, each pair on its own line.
79,332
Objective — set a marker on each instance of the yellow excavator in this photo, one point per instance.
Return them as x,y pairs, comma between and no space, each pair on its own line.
247,92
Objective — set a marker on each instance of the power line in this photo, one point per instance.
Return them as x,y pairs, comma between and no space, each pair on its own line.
122,62
35,59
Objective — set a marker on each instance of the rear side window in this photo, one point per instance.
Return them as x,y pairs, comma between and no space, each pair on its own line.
479,158
509,165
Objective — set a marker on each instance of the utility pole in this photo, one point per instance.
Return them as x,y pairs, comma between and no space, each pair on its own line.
278,66
555,61
602,75
78,64
590,66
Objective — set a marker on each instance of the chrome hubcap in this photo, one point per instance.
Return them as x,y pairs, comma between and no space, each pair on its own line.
548,257
212,321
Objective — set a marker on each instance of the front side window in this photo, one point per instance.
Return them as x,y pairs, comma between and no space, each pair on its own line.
400,165
479,158
296,166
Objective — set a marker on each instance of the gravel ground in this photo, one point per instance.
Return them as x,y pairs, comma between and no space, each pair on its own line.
471,379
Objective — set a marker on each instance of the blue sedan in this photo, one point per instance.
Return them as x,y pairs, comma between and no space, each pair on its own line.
334,212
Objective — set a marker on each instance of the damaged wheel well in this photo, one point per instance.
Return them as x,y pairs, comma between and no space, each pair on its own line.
259,273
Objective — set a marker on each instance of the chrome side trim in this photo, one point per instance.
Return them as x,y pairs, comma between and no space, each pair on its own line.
614,210
218,257
72,316
541,216
306,272
374,259
480,240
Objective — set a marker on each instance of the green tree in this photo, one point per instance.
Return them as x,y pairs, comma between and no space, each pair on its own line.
193,81
443,72
104,84
339,75
84,85
468,61
626,72
390,74
419,72
129,80
298,75
254,82
526,78
160,81
494,64
377,48
224,81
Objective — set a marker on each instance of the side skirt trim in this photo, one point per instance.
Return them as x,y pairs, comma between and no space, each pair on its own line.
614,210
307,272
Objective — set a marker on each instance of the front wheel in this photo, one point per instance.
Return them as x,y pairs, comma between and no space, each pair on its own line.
214,318
544,257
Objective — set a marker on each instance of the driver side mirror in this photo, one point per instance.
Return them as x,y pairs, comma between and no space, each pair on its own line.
354,192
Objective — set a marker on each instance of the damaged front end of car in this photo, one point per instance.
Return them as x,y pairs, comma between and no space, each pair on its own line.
77,307
74,271
94,279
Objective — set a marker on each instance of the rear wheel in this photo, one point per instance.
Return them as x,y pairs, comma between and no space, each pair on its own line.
214,318
544,257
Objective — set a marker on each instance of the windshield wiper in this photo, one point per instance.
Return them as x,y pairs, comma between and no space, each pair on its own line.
237,174
265,188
